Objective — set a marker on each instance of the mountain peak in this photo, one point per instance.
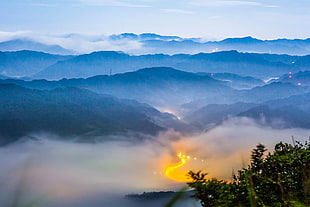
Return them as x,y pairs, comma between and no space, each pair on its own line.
163,71
241,40
159,69
28,44
144,37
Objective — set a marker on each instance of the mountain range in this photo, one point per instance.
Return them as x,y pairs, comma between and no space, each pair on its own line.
291,112
39,65
153,43
26,63
237,81
175,44
301,78
171,89
77,114
27,44
96,96
158,86
94,108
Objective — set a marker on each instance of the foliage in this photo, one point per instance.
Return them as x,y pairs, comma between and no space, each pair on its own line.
280,178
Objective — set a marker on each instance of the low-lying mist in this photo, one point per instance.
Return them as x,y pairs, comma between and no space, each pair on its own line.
50,172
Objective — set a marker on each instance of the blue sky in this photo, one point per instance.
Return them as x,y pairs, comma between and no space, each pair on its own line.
211,19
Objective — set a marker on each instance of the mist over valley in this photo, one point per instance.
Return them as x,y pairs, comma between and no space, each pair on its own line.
89,129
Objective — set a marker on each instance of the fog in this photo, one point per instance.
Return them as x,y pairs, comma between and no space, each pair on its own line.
47,171
80,43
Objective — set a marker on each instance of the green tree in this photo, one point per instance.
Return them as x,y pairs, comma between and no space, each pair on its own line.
280,178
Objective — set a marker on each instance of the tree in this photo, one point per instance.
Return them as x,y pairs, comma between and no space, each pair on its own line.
280,178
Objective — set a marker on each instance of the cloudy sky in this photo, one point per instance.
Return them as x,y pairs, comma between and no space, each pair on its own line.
211,19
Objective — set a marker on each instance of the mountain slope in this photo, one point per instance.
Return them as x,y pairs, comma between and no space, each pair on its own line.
153,44
169,88
214,114
260,94
301,78
293,111
236,81
109,62
26,44
158,86
279,117
26,63
73,112
243,44
272,91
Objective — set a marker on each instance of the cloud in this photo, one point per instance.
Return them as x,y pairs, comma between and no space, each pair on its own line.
215,17
118,3
6,36
178,11
45,5
77,42
72,173
90,43
227,3
228,146
66,172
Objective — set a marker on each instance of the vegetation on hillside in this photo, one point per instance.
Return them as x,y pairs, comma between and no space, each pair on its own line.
274,179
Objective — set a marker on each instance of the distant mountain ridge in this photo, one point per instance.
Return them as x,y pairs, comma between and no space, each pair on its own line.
38,65
258,95
158,86
153,43
26,44
175,44
236,81
291,112
26,63
301,78
70,108
75,113
111,62
166,87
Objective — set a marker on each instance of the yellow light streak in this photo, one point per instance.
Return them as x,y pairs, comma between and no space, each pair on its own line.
177,177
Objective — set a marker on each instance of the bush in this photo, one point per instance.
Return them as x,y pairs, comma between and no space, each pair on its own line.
280,178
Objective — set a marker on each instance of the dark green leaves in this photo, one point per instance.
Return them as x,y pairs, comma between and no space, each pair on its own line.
280,178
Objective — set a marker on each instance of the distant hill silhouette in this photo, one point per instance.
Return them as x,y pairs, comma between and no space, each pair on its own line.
300,78
158,86
167,87
26,63
110,62
290,112
236,81
172,44
75,113
27,44
258,94
38,65
153,43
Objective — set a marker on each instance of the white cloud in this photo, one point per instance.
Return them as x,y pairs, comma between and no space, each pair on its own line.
71,172
77,42
215,17
6,36
45,5
179,11
75,169
118,3
272,6
90,43
227,3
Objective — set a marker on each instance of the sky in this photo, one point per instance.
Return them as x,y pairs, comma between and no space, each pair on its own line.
210,19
